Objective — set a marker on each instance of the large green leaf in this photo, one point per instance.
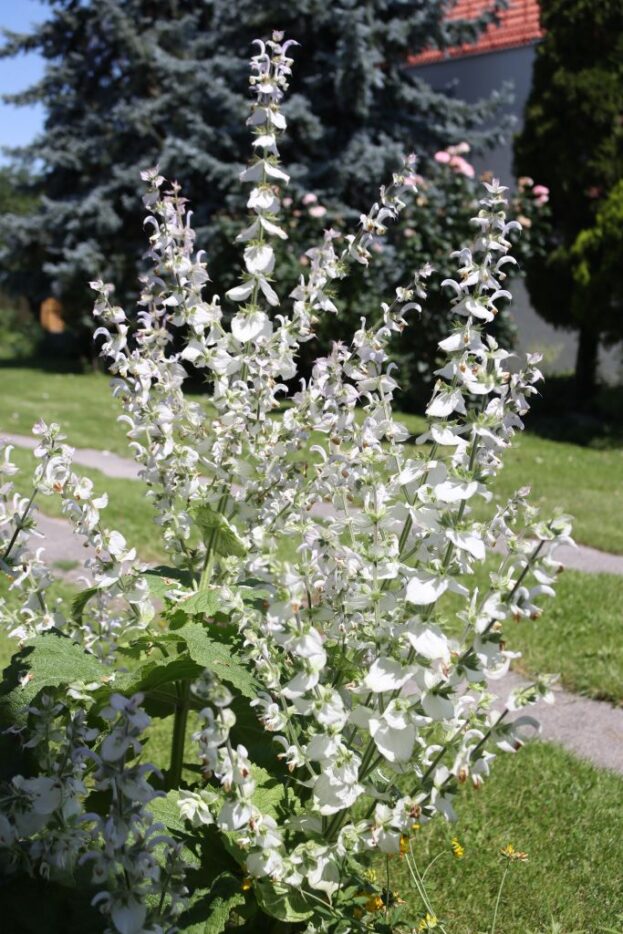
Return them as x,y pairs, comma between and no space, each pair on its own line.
218,657
157,679
80,601
162,578
282,902
49,660
210,908
203,602
216,529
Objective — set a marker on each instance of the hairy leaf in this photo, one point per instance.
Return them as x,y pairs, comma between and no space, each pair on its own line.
282,902
219,658
202,602
217,530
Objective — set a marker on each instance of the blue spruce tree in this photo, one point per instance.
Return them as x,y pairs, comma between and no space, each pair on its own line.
131,83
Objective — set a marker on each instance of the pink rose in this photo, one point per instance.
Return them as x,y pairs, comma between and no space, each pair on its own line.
309,198
541,194
317,211
442,156
460,165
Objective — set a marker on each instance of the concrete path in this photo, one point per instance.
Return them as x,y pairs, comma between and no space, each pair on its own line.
592,730
61,547
580,558
110,464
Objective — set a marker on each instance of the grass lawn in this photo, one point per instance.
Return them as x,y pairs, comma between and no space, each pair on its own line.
81,403
559,810
128,510
584,481
580,635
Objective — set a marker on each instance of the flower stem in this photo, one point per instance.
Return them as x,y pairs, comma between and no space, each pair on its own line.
174,774
19,525
497,901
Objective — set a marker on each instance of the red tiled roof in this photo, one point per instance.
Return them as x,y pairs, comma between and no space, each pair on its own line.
519,25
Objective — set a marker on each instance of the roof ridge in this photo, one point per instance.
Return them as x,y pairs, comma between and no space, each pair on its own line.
518,25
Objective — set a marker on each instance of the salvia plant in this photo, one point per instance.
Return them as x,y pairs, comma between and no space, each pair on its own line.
315,651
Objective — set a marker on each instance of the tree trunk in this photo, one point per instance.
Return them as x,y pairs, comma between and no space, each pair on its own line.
586,365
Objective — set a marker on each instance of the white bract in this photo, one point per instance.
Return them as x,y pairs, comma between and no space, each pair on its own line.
321,579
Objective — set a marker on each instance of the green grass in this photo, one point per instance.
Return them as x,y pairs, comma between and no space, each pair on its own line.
81,403
579,635
128,510
561,811
584,481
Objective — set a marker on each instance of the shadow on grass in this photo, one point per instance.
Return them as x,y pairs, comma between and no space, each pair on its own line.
597,424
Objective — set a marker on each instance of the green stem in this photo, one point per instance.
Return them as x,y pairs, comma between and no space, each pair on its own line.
180,720
19,525
497,901
419,884
206,570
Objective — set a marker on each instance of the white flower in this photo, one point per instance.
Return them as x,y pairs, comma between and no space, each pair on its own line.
128,917
445,403
394,733
430,643
195,807
234,815
325,875
247,327
45,793
262,863
423,589
241,292
438,707
385,674
259,260
338,786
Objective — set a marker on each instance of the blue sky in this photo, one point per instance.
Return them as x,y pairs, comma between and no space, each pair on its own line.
18,125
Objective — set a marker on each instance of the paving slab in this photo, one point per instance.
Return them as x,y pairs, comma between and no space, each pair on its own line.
578,558
108,463
61,545
591,729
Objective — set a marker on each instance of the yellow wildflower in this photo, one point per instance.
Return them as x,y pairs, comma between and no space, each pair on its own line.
510,853
404,845
374,903
457,849
428,923
246,884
